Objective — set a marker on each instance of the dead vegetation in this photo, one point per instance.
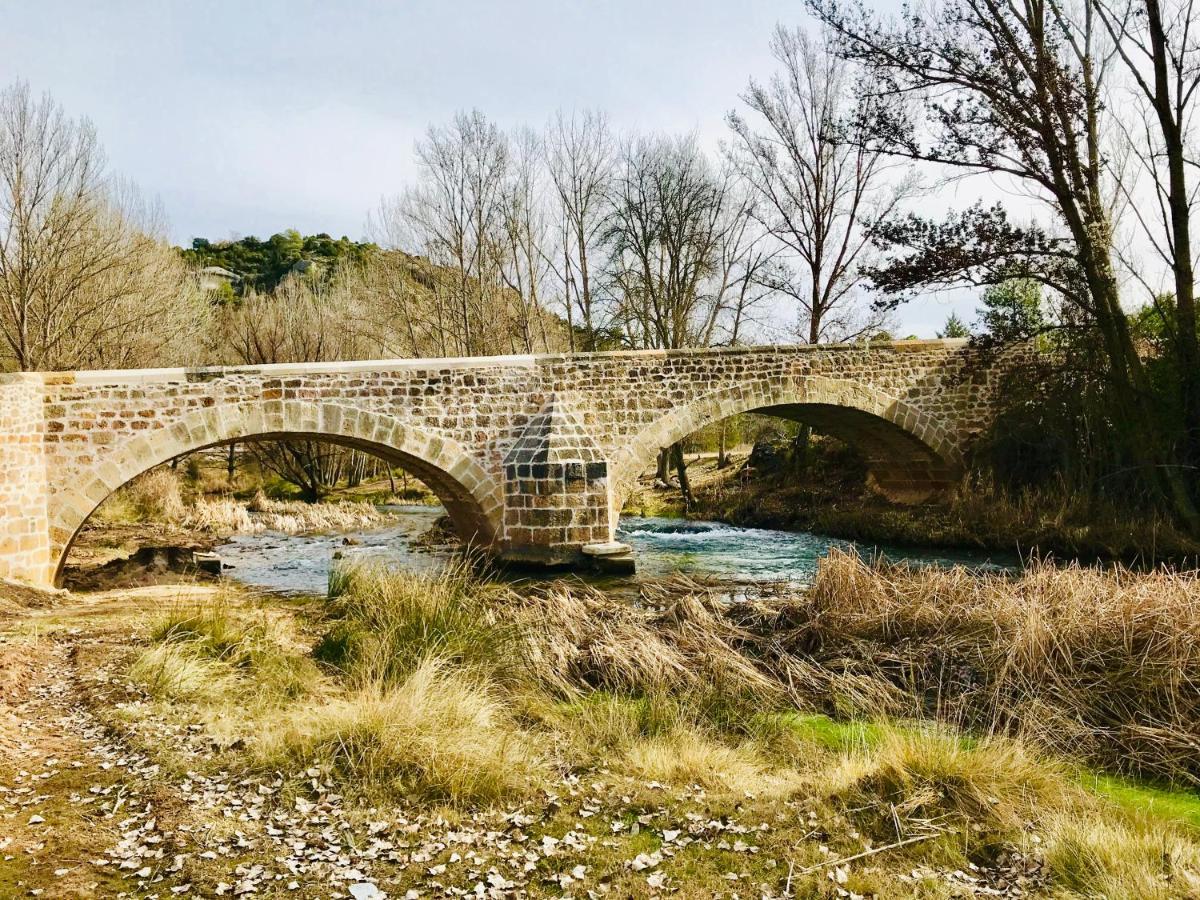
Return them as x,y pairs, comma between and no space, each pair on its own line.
831,497
1102,664
562,741
159,497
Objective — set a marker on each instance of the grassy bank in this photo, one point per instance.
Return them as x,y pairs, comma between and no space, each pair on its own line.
893,733
166,514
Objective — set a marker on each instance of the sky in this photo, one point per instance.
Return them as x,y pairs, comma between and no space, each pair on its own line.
253,117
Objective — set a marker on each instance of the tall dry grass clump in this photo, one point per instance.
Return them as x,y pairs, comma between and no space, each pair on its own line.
1090,856
1099,663
563,641
210,652
915,776
385,622
665,688
677,641
440,734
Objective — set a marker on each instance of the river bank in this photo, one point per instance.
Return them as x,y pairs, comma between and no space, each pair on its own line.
427,735
832,498
149,532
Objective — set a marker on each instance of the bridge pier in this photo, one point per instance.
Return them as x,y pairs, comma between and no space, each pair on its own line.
557,495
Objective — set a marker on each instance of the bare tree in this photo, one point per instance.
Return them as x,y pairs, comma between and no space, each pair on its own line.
664,235
407,303
1016,90
679,250
1156,42
307,318
455,212
821,184
580,156
522,257
86,276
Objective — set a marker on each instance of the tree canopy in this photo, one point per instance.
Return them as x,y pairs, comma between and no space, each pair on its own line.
262,265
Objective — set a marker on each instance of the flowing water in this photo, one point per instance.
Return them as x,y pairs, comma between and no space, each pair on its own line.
301,563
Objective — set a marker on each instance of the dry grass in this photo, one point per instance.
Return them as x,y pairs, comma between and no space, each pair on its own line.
451,690
1102,665
919,778
384,623
174,672
563,641
439,734
677,641
156,496
159,497
1095,856
211,651
225,515
1099,663
688,756
833,500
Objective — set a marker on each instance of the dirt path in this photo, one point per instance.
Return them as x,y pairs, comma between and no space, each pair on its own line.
71,794
99,797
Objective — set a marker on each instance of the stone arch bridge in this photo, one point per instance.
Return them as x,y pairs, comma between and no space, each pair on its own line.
532,456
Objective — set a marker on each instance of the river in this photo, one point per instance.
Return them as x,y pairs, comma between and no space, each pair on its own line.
301,563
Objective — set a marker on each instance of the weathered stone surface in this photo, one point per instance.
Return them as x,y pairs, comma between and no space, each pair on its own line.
532,455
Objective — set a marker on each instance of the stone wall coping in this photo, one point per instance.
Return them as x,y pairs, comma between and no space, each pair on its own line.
523,361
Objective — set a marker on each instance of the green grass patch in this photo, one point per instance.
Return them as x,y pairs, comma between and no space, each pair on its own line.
1170,804
832,734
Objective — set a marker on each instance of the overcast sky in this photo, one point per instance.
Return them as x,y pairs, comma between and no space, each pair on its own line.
253,117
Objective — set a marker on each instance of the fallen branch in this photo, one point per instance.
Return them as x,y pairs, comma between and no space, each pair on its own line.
838,862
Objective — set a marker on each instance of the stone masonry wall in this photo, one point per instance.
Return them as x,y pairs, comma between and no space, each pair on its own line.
531,455
24,531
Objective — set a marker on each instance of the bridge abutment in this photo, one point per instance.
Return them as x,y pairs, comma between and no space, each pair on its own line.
25,553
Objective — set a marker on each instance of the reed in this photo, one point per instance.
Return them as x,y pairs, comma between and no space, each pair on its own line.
1098,663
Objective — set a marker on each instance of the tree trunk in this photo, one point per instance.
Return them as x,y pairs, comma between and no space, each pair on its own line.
1179,202
685,487
355,468
1143,436
802,449
722,450
663,471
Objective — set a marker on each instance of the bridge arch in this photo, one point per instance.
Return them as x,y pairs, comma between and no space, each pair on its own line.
910,454
472,497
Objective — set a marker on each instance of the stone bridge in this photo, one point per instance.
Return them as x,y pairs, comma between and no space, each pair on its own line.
533,456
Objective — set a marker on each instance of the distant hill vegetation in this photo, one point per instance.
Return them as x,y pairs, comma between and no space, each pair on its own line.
262,264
